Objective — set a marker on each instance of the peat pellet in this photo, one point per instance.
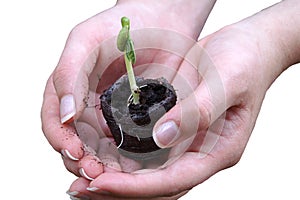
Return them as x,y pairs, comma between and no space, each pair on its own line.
132,124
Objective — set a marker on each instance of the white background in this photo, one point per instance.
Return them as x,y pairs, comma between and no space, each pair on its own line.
32,36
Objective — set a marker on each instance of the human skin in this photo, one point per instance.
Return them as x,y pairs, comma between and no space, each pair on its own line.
266,44
64,100
248,56
267,41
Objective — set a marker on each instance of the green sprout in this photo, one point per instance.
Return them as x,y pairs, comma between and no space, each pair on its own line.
125,44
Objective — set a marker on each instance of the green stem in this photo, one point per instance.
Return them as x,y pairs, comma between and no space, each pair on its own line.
132,82
125,44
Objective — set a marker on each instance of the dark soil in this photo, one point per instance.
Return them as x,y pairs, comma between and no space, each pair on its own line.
131,125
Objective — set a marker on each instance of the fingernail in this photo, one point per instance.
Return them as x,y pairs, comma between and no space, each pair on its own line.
98,191
166,134
83,174
80,198
73,194
67,154
92,189
74,198
67,108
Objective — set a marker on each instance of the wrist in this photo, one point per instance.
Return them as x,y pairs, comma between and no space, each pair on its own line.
277,30
184,16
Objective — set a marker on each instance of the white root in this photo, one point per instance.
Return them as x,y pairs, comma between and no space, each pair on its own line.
122,136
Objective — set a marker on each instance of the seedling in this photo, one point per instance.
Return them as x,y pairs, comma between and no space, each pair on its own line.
125,44
131,120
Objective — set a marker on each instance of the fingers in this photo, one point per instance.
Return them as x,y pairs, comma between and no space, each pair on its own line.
165,50
89,167
66,96
197,111
188,171
181,176
173,181
71,74
62,137
81,189
112,160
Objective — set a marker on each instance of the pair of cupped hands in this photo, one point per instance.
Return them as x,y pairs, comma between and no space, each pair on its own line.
221,84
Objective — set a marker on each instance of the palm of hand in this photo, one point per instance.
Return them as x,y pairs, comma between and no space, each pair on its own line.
153,61
78,60
223,129
230,123
74,60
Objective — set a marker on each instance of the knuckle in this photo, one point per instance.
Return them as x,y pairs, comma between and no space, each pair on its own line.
61,76
205,115
234,156
77,31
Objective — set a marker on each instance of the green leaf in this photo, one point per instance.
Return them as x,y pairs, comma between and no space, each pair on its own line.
130,53
124,42
123,38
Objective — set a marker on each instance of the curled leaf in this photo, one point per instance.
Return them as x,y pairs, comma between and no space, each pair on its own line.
125,22
130,53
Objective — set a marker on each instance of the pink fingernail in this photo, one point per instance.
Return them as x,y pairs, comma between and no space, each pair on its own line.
166,134
67,108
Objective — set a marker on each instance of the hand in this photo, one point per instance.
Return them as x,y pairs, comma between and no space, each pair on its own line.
223,129
235,72
67,87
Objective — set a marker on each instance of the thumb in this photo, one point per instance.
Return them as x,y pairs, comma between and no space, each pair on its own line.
71,74
193,114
